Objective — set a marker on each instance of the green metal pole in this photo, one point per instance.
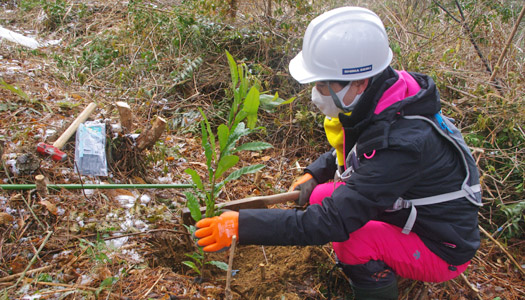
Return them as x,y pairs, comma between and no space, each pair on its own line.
96,186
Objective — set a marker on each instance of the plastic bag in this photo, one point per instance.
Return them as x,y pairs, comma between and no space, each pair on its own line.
90,150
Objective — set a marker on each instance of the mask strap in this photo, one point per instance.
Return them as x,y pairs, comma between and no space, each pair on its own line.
336,99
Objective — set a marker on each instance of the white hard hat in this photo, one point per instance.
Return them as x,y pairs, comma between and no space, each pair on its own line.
345,44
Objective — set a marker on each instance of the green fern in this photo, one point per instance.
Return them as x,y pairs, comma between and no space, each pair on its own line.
187,71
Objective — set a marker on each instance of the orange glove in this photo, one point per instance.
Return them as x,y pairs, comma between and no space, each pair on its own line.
301,180
306,184
216,233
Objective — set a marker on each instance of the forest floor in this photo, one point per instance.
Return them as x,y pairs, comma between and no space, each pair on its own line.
130,243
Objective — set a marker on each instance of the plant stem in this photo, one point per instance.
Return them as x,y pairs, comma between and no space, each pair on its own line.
228,291
520,268
509,40
34,257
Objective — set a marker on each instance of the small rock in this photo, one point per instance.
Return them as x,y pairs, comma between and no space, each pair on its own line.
27,163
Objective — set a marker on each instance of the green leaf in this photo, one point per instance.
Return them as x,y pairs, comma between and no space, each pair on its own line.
206,145
44,277
192,266
16,90
244,170
251,105
243,85
193,205
288,101
195,256
195,178
253,146
251,102
233,69
223,133
269,102
238,119
237,133
108,282
219,264
225,163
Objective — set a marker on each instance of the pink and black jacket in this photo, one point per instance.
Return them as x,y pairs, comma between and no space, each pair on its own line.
400,157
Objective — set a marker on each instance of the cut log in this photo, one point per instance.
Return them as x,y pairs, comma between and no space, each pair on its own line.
41,186
148,137
126,117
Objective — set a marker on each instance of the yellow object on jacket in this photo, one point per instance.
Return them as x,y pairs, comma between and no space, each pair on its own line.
335,135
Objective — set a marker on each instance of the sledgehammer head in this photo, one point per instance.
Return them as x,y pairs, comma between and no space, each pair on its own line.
56,154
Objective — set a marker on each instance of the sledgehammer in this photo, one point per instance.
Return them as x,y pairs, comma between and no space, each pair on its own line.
54,150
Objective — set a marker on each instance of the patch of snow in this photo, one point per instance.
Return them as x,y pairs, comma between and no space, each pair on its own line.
51,43
60,211
129,222
126,201
63,253
117,243
49,132
18,38
85,280
145,198
24,289
133,255
140,225
29,297
167,179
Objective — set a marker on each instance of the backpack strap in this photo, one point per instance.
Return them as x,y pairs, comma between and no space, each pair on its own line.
412,203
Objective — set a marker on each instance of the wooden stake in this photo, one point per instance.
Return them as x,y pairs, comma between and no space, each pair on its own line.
126,116
263,272
2,142
148,138
228,292
41,185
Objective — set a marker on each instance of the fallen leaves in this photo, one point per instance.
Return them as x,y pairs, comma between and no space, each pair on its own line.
49,206
5,218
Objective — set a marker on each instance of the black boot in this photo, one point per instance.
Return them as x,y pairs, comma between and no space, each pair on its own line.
373,280
388,292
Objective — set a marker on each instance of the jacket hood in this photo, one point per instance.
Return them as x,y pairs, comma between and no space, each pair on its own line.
390,95
394,92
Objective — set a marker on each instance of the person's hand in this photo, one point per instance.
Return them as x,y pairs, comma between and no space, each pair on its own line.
215,234
306,185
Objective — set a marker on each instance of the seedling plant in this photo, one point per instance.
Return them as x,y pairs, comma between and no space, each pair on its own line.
221,148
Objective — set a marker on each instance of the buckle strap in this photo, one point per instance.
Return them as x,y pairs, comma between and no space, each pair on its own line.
400,203
467,191
410,221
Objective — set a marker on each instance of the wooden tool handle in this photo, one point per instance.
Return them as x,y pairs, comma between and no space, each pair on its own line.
246,203
261,201
61,141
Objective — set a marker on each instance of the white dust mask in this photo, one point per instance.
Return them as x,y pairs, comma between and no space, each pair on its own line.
350,107
327,103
